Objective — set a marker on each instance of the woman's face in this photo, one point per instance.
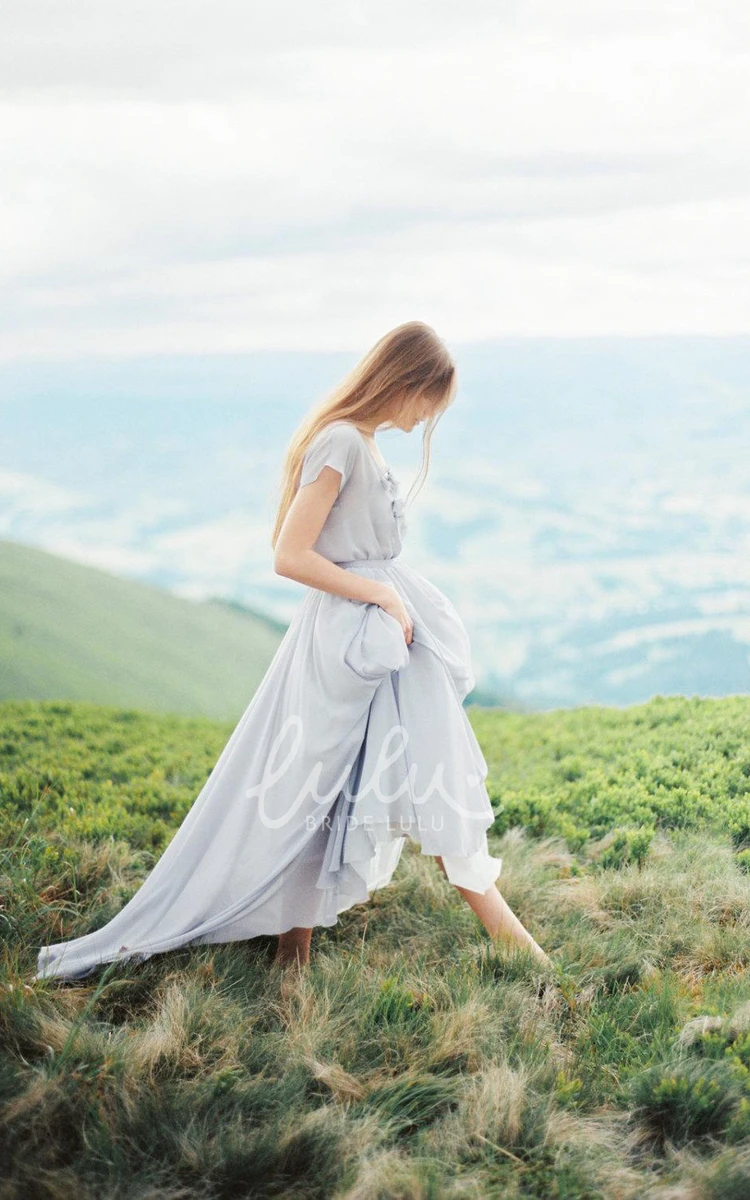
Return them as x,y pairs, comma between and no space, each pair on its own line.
412,412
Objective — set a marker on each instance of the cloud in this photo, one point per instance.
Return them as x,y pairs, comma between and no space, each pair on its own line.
236,177
34,499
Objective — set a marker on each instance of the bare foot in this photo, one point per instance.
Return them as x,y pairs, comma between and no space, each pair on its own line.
498,918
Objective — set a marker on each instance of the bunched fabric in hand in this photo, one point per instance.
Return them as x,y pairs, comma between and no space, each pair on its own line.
353,742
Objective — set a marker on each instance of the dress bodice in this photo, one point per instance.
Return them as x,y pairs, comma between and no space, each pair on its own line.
367,517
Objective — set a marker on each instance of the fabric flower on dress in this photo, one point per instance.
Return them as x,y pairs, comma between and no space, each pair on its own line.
392,486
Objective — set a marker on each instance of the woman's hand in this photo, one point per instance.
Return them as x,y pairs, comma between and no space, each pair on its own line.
390,601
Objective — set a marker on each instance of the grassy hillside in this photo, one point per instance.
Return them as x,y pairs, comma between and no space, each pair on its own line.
416,1058
73,632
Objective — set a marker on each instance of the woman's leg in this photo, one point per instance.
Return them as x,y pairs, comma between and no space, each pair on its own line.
498,918
294,946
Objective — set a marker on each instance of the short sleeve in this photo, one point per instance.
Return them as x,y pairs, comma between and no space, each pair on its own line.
332,446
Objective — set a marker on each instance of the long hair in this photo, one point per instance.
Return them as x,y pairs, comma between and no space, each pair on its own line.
407,362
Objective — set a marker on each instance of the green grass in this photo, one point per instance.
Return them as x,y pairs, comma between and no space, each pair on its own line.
72,632
415,1058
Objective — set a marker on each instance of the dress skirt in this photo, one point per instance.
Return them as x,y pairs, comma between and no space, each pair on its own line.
353,742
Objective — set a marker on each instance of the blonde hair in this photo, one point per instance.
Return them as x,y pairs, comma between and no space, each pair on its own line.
409,361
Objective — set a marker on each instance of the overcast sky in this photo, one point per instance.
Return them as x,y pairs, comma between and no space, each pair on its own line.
232,176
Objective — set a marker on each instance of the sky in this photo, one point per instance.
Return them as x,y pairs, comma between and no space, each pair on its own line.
228,177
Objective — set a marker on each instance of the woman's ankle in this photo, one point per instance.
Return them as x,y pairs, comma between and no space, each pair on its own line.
294,946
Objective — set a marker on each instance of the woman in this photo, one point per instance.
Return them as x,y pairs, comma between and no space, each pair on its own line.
356,737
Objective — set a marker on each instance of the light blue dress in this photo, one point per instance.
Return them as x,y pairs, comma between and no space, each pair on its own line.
353,742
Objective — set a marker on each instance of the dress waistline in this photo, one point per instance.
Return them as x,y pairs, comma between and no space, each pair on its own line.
369,562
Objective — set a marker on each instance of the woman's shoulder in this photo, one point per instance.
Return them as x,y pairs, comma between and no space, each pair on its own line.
343,430
343,435
337,444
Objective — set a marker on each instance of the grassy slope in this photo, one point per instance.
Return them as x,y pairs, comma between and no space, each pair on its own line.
73,632
415,1058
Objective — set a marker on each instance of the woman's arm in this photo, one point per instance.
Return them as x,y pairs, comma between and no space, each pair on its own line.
294,557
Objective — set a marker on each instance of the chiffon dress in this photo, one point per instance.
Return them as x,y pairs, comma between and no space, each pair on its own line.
353,742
